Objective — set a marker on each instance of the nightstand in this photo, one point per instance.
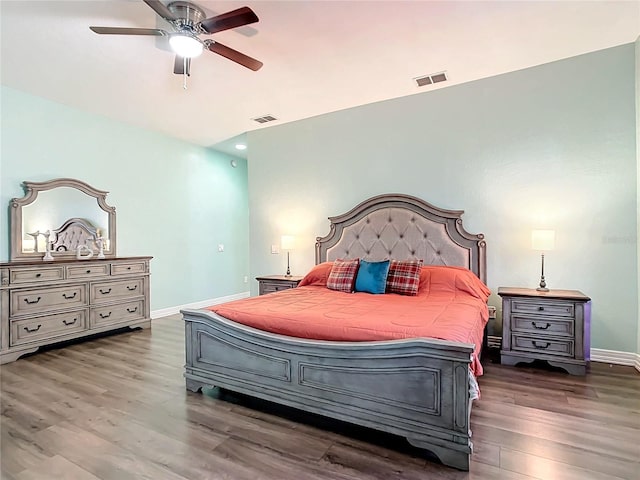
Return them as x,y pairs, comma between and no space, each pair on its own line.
275,283
551,326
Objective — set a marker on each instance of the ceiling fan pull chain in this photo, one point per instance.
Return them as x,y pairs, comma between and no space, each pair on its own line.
184,72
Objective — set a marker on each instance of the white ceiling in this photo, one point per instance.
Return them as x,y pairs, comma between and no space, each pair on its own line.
319,56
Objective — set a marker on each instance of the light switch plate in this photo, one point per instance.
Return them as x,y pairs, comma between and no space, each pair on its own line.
221,247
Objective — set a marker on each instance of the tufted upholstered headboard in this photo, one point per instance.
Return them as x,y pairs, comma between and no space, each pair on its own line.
401,227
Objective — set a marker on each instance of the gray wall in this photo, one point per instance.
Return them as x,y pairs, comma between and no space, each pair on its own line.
174,201
547,147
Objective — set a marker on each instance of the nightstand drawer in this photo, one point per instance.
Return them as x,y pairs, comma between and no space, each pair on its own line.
274,287
543,326
548,346
543,307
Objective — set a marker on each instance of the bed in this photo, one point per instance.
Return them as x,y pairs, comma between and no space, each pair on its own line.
419,388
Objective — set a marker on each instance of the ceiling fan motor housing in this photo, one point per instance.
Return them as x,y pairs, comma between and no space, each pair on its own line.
188,14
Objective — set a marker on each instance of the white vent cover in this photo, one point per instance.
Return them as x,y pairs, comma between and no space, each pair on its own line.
264,119
431,78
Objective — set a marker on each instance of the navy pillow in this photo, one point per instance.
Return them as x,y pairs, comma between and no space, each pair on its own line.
372,276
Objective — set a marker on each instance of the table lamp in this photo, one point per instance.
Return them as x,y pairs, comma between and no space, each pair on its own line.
287,242
543,240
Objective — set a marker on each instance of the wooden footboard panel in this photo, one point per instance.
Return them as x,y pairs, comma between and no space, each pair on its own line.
416,388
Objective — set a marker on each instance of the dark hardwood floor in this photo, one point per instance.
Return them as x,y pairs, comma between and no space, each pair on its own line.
116,408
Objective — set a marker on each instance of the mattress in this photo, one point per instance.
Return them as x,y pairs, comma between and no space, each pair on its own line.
450,305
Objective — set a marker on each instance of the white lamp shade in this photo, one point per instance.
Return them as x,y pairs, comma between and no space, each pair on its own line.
543,240
185,45
288,242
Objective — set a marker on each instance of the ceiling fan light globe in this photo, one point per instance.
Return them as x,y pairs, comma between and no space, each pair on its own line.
185,46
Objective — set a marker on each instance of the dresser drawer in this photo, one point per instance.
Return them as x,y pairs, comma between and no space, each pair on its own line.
128,268
47,327
106,291
543,307
111,314
543,326
35,275
88,271
542,345
36,300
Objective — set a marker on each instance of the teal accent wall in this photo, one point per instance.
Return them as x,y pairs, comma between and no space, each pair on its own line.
552,146
174,201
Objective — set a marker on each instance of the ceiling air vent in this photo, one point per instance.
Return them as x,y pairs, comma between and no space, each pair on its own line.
430,79
264,119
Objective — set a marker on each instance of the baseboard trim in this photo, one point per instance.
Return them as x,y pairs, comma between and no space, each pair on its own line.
615,357
164,312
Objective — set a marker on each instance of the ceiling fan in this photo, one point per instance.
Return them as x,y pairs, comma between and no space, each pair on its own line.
188,22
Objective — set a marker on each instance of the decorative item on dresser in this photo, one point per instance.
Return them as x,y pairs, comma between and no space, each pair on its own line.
64,298
275,283
552,326
543,241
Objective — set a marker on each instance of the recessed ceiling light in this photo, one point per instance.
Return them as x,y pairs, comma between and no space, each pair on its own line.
241,146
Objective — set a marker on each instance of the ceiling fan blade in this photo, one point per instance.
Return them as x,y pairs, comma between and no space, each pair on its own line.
161,9
128,31
179,66
235,56
235,18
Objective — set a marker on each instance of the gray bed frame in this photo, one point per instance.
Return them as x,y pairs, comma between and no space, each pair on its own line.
416,388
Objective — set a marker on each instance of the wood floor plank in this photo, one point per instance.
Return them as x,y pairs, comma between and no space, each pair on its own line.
116,408
55,467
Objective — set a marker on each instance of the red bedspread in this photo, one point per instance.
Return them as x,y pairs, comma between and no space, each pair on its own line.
450,305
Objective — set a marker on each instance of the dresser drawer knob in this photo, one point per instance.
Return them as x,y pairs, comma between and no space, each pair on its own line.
38,275
31,302
541,309
538,327
131,289
132,310
102,315
128,268
71,322
31,330
541,347
69,297
105,292
88,271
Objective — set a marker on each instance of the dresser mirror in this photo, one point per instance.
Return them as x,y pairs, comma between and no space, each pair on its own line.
56,218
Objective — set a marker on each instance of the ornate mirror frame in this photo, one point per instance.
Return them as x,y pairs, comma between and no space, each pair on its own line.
32,189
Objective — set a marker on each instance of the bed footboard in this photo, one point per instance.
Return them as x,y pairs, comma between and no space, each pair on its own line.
416,388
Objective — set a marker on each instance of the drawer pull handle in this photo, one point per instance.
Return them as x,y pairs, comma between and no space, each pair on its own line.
128,268
38,275
69,297
88,271
132,310
541,309
31,330
102,315
31,302
105,292
535,325
542,347
70,323
131,289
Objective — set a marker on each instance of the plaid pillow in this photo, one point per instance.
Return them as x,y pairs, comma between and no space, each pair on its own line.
343,275
404,277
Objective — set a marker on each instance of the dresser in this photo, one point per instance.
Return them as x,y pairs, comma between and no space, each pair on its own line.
42,303
275,283
551,326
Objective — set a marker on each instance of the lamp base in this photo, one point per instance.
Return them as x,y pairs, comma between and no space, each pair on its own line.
542,289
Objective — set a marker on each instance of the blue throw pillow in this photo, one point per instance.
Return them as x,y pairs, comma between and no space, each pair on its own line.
372,276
